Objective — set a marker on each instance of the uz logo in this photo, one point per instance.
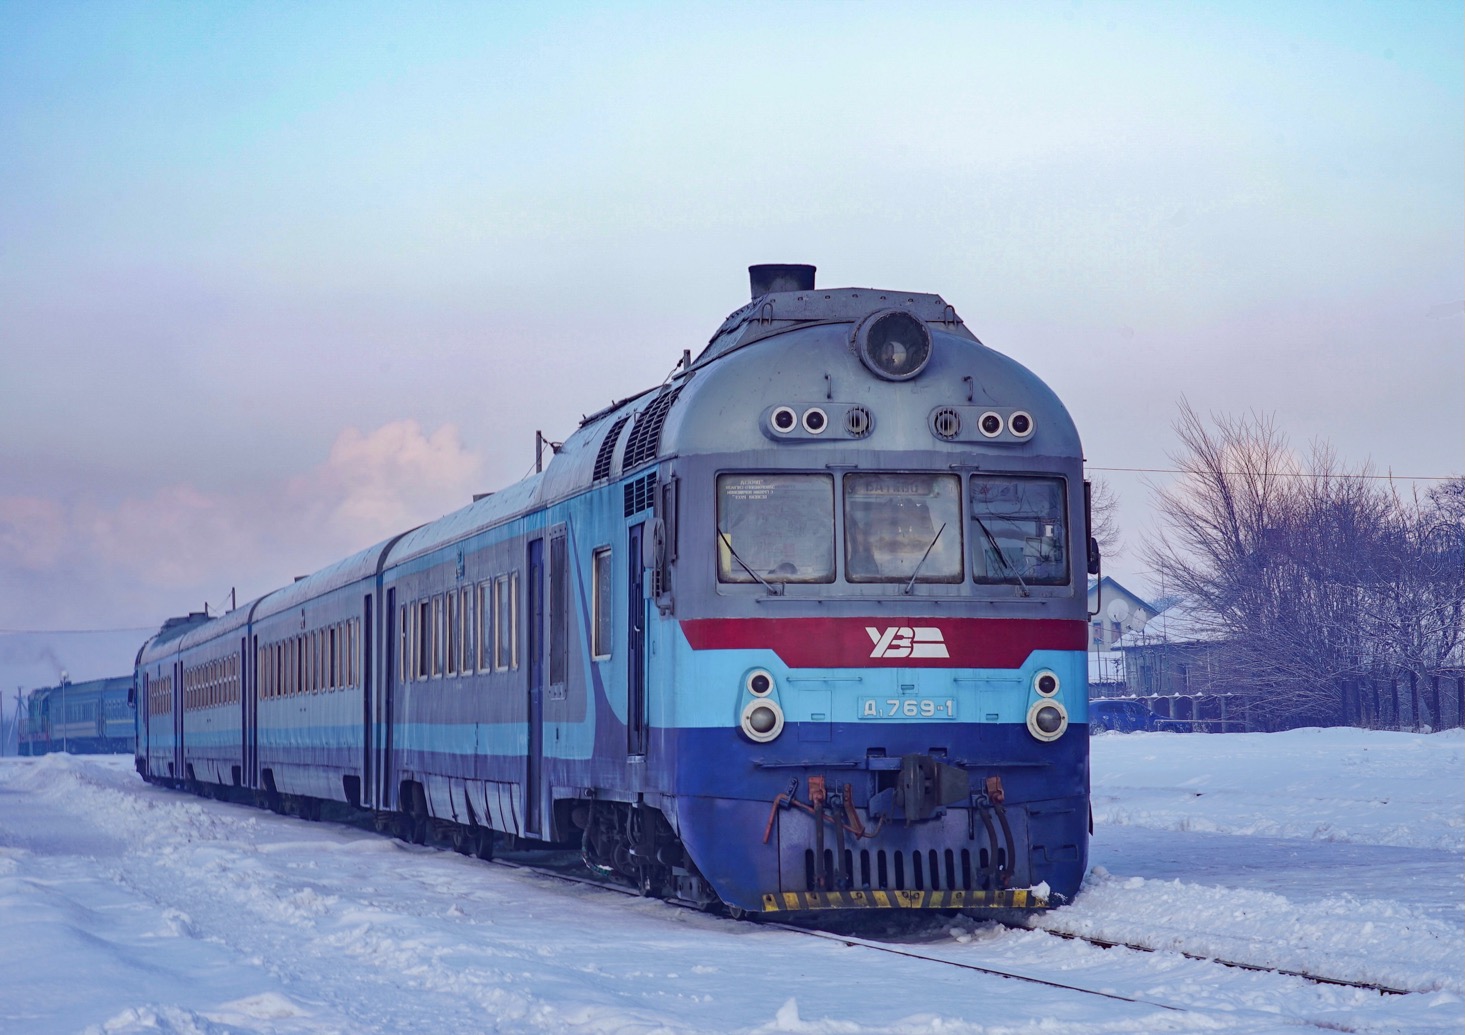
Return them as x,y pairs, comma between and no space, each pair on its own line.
900,641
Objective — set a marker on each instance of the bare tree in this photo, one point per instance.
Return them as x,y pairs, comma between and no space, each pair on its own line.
1104,511
1313,575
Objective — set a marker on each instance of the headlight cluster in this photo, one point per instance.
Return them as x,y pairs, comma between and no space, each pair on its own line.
975,424
1047,717
762,717
807,420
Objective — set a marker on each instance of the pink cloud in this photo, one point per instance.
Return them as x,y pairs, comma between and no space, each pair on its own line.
182,543
373,485
33,533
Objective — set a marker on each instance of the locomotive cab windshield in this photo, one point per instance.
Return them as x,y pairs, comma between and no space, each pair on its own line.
894,527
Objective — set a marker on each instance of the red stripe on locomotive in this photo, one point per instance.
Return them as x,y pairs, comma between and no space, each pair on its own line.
904,642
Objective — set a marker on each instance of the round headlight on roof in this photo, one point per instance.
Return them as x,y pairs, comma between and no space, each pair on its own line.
893,343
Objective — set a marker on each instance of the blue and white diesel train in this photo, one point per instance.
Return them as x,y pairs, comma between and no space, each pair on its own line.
90,717
801,628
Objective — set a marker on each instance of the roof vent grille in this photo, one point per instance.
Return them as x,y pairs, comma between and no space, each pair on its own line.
858,422
608,448
645,441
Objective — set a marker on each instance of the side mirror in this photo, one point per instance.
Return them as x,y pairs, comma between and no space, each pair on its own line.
653,544
1094,558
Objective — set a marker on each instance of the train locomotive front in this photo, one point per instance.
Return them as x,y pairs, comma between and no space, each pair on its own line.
869,643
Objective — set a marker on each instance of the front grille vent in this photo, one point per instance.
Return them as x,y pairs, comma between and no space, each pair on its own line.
929,870
645,441
640,494
608,448
946,423
858,422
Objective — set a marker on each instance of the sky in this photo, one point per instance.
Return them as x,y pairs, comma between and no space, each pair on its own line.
279,280
1335,853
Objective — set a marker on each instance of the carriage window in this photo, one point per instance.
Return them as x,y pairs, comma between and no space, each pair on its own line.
485,626
559,609
422,638
899,527
405,652
454,639
601,629
775,528
506,647
466,619
438,639
1019,533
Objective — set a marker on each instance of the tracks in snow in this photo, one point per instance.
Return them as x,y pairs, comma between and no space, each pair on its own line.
911,952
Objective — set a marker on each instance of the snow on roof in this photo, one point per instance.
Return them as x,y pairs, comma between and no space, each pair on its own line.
1181,622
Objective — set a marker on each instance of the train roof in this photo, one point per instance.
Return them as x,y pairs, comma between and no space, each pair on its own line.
361,565
483,513
108,684
777,312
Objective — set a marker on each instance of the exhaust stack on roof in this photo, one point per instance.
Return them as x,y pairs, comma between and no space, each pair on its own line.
777,276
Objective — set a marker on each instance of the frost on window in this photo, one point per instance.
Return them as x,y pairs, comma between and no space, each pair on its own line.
775,528
900,527
1019,531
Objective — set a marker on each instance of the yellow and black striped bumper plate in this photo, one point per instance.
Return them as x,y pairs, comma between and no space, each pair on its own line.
803,901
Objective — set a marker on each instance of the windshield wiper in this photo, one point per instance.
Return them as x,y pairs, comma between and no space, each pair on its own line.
1001,557
922,561
728,543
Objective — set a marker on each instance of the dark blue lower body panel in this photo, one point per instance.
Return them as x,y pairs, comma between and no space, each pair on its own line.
764,845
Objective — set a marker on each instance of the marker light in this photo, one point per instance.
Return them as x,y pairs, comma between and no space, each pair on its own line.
1046,683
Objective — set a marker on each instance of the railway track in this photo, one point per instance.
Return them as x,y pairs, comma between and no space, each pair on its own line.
913,952
1318,979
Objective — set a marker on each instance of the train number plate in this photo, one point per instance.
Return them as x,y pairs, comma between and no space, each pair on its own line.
907,707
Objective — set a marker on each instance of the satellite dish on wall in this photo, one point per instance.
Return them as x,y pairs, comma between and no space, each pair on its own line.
1118,610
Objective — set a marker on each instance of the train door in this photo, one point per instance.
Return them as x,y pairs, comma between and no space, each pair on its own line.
636,645
249,713
140,718
175,768
362,664
535,715
382,739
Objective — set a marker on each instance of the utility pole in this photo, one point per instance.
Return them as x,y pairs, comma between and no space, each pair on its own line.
65,681
15,723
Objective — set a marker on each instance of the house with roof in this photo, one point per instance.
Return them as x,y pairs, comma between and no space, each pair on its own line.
1115,610
1179,665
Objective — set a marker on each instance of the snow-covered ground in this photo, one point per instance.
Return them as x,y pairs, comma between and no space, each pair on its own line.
125,909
